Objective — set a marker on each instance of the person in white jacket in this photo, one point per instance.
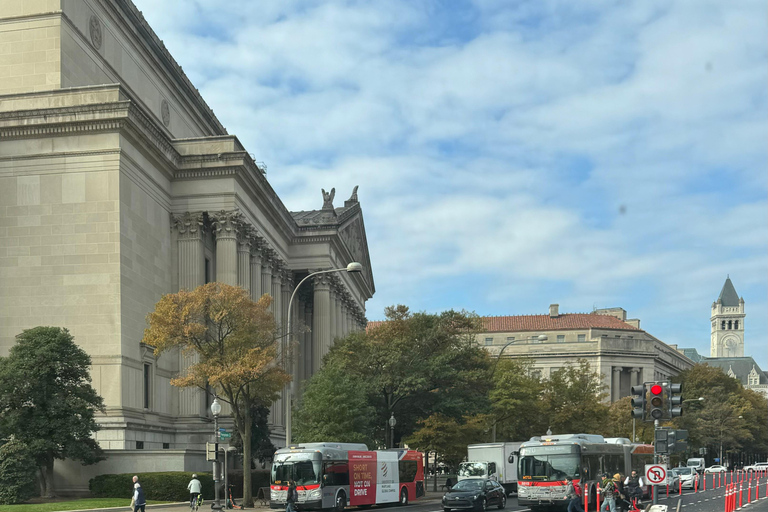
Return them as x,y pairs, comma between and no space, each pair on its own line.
195,488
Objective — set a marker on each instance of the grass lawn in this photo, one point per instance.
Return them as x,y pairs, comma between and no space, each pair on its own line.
73,505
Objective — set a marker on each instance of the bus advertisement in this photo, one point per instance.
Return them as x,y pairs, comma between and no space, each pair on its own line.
546,461
336,475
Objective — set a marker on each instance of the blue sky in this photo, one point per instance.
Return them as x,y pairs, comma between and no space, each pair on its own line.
512,154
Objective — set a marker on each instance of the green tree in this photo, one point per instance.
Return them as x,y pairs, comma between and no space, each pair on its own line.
262,448
516,405
47,401
413,365
620,422
573,399
235,339
17,473
447,437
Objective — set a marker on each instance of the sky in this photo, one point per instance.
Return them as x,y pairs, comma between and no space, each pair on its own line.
512,154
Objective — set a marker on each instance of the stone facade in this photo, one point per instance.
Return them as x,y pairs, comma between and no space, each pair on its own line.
623,353
113,195
727,320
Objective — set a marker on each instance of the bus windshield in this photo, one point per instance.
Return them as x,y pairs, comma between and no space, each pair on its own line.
303,472
470,469
549,468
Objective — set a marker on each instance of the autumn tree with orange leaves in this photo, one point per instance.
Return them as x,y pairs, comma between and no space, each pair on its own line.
236,342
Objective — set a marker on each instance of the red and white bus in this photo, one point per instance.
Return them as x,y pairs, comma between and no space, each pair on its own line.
545,461
336,475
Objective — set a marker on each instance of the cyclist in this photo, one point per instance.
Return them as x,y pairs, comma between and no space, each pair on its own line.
194,491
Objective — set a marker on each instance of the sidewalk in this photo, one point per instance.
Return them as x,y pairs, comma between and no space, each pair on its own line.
183,506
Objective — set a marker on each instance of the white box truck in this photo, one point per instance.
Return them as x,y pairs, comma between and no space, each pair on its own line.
497,461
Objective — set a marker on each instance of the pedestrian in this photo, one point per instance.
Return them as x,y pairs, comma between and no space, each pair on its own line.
573,493
609,493
634,486
138,497
291,497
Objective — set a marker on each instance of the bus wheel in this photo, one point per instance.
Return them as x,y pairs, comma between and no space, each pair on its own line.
404,496
341,501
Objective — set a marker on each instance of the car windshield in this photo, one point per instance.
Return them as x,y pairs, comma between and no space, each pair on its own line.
468,485
683,471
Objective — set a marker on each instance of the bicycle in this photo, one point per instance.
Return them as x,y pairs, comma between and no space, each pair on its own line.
195,505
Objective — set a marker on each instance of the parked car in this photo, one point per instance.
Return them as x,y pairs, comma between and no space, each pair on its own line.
758,466
716,469
475,494
673,481
688,477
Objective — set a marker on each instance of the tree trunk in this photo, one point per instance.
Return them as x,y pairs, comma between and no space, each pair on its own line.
246,435
46,472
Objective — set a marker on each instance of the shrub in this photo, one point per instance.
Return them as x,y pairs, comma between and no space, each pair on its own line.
17,473
163,486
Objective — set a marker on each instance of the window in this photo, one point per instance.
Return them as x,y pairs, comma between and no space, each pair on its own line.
510,338
736,324
207,271
582,337
147,384
166,446
336,473
489,341
561,338
407,469
723,326
139,445
729,324
536,373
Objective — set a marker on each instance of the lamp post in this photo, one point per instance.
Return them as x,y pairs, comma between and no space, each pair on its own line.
540,337
392,423
352,268
216,410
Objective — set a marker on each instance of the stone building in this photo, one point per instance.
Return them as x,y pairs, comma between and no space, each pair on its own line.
118,184
728,323
613,345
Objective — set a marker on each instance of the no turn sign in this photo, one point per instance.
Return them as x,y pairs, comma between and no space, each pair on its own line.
656,473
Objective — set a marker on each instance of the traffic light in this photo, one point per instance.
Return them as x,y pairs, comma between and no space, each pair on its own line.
675,400
671,441
656,401
210,451
681,444
661,441
638,402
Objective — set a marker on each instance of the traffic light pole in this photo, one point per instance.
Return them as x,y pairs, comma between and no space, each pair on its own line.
655,461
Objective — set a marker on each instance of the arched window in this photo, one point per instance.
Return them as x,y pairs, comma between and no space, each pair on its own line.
729,325
736,324
723,326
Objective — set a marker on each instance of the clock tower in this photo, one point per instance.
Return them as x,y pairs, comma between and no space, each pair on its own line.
728,323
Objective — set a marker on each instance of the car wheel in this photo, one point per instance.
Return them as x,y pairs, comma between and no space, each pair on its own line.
446,509
341,501
503,501
483,504
404,496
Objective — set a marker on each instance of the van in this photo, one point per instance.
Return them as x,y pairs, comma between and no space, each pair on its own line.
697,464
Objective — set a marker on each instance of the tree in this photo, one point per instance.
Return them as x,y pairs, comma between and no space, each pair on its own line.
47,401
573,399
447,437
17,473
620,422
235,339
262,448
413,365
516,405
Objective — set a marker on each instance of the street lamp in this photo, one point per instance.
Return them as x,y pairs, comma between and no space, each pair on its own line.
352,268
216,410
549,431
392,423
540,337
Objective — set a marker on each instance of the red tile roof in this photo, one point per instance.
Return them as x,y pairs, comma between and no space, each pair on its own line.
567,321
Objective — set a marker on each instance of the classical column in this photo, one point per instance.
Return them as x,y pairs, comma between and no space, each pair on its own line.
321,323
616,384
307,343
277,310
339,319
332,313
266,278
244,263
255,271
189,229
635,376
226,225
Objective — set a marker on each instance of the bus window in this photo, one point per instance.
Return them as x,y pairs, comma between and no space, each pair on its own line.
336,473
407,469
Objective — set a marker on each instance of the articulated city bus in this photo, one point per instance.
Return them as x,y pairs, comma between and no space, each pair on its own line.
545,461
336,475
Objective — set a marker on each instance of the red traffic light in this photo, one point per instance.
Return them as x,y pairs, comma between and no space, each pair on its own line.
656,389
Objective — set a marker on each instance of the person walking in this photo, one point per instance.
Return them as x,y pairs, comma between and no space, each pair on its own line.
291,497
609,494
195,488
139,502
634,487
573,493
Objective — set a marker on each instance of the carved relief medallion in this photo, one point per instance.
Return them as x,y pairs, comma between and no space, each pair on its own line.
165,112
94,28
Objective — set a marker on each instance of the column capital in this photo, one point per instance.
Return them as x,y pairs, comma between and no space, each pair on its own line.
634,370
227,224
322,280
618,369
287,277
188,226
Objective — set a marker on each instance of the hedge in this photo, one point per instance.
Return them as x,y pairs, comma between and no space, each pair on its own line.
172,485
163,486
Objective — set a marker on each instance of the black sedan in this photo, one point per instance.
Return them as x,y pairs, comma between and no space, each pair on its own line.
474,493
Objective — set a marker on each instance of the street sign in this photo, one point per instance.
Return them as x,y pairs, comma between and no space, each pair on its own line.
222,429
656,473
225,435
